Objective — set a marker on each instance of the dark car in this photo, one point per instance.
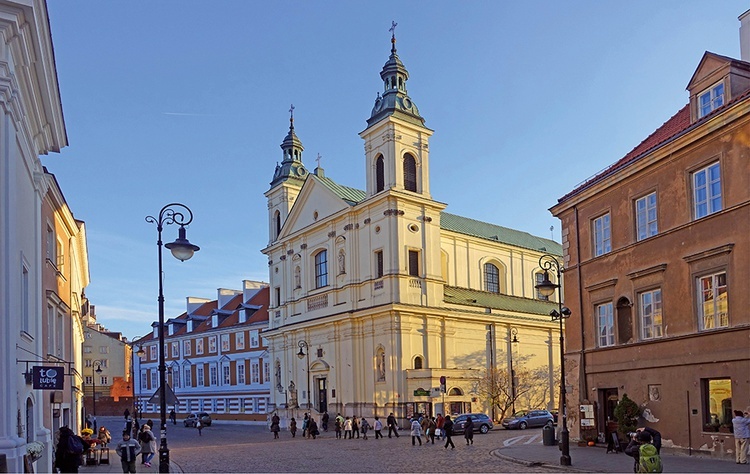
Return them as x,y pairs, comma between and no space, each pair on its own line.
191,418
528,419
482,423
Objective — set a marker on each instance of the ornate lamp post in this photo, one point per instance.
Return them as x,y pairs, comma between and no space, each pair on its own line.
182,249
301,354
514,333
547,288
96,368
140,353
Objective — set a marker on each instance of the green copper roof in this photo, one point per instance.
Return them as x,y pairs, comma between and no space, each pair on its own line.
484,230
484,299
350,195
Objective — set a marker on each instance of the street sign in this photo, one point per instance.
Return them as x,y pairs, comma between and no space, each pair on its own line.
420,392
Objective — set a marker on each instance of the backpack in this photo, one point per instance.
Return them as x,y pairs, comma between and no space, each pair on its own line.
75,445
649,459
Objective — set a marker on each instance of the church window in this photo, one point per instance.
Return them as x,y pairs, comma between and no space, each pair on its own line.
418,362
277,223
321,269
378,264
491,278
379,174
410,173
414,263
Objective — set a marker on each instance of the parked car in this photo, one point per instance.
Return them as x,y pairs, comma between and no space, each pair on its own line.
528,419
205,418
482,423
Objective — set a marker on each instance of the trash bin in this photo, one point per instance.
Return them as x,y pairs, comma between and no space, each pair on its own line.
548,436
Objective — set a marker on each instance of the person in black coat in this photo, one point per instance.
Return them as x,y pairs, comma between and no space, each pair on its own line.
65,459
448,430
392,428
469,430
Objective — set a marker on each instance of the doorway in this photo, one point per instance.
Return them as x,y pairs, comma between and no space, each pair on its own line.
322,395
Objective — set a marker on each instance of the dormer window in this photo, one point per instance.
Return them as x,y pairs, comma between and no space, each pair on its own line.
171,329
711,100
215,321
156,331
190,325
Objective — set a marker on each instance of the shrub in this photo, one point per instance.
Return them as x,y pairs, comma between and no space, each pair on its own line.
627,413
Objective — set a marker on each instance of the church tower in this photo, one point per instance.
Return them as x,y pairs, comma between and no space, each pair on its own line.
287,181
396,139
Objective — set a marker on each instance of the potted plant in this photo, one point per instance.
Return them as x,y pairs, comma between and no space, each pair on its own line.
627,413
34,450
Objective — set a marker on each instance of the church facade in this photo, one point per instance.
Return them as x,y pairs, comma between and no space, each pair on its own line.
377,294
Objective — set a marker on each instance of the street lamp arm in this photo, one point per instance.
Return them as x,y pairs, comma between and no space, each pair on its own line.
182,216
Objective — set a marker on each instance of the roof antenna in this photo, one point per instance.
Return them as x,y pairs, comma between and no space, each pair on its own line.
552,235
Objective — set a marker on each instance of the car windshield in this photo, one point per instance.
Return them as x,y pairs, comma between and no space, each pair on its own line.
520,414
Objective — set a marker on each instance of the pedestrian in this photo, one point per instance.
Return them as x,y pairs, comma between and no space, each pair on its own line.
305,421
199,425
147,441
424,423
127,413
364,426
391,422
293,427
312,428
355,426
469,431
104,436
416,432
275,426
173,416
150,424
378,427
432,427
741,425
439,422
348,427
69,450
128,450
324,421
129,424
643,449
337,427
136,428
340,418
448,431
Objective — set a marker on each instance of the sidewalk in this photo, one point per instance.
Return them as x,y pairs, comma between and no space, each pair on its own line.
115,466
596,459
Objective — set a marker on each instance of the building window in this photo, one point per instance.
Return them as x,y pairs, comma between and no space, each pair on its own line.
239,340
717,403
60,256
277,294
25,289
277,224
605,323
154,379
175,349
645,216
379,174
152,352
602,235
410,173
254,342
188,377
88,380
713,296
414,263
711,100
225,343
241,372
103,380
225,375
214,374
650,314
378,264
51,245
266,372
199,376
103,350
87,349
321,269
491,278
538,278
186,348
87,363
254,372
707,191
199,347
418,362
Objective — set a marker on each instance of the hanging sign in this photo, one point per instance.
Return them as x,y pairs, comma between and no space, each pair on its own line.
48,378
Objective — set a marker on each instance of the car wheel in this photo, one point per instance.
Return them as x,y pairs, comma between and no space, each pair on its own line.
522,425
484,429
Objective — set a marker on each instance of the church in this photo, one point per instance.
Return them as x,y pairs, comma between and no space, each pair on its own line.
379,295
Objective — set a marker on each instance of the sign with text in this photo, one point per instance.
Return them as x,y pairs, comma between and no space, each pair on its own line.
48,378
420,392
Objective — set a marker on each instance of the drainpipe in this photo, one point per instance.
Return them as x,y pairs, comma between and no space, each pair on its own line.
582,382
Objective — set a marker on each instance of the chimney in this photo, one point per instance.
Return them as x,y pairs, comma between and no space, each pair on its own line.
745,36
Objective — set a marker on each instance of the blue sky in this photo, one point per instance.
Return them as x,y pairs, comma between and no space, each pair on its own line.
188,101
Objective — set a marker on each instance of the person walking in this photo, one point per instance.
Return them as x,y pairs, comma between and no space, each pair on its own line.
293,427
128,450
127,413
469,431
348,428
364,426
431,428
378,426
439,422
69,450
355,426
448,430
312,428
741,425
305,421
391,422
173,416
324,421
148,445
416,432
424,423
337,427
275,428
199,426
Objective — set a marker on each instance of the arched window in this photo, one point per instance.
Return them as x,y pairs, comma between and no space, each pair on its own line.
624,321
455,391
379,174
321,269
418,362
410,173
277,223
491,278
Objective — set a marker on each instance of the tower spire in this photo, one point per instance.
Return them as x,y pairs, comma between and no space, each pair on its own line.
291,165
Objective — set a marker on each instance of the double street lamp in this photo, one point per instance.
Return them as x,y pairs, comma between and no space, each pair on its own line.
301,354
547,288
182,249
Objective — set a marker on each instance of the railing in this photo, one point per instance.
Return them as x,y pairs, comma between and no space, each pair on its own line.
415,283
317,302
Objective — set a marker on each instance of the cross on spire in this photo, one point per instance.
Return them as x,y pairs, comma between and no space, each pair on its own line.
392,29
291,116
318,160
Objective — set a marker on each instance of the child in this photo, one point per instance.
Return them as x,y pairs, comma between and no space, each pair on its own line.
128,450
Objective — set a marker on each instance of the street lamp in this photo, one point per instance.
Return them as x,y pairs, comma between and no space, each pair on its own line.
182,249
514,333
139,353
547,288
301,354
96,366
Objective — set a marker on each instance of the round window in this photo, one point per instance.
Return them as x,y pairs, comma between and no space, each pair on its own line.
413,227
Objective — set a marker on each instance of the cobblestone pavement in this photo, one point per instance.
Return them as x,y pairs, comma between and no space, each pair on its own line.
240,448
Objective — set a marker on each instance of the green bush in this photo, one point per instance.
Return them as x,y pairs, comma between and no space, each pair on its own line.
627,413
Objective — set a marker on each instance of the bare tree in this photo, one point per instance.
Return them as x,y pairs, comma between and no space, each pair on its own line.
531,388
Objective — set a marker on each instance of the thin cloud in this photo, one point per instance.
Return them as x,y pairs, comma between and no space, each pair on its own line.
186,114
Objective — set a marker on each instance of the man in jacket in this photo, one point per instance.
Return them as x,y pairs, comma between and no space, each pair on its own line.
128,450
392,428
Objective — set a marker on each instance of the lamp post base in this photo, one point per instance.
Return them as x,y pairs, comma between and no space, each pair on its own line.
565,445
163,459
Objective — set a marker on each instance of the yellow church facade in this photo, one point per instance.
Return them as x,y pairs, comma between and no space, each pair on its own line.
377,294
